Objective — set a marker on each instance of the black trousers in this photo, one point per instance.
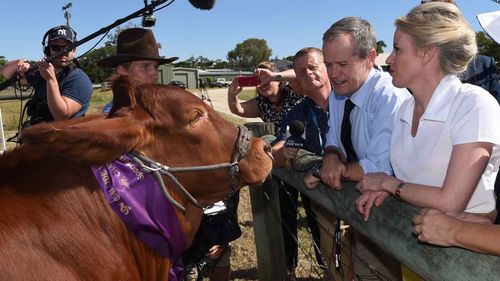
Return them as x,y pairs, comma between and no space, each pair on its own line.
289,197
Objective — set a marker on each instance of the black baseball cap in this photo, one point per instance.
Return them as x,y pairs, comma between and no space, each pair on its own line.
61,32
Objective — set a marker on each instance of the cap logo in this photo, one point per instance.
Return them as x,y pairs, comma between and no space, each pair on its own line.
61,32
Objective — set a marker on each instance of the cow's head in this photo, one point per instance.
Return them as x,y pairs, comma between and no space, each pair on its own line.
167,124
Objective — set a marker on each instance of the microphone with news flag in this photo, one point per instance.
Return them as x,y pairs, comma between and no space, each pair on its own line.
295,139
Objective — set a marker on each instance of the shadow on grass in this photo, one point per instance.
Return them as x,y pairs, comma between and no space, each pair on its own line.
245,274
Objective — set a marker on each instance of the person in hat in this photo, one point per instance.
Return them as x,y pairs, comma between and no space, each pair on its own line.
61,89
136,55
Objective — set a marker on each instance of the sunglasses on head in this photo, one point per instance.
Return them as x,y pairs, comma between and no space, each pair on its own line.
58,48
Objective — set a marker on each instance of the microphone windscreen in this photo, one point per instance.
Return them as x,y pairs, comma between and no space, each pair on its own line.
203,4
296,128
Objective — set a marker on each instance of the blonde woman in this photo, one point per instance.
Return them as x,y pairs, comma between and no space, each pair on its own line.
446,137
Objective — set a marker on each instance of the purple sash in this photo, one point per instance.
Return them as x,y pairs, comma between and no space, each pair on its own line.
139,202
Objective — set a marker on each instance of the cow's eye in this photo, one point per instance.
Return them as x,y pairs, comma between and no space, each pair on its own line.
196,116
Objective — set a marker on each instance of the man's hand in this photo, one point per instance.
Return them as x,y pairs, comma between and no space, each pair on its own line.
20,66
311,181
215,251
47,70
332,170
290,153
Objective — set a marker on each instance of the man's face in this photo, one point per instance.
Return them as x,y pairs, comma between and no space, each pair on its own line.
310,71
145,71
347,71
55,47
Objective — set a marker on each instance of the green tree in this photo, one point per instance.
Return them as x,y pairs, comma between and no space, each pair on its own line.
202,62
486,46
88,62
195,62
380,47
249,53
289,58
218,64
113,37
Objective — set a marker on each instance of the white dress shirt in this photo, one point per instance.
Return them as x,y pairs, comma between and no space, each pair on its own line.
372,119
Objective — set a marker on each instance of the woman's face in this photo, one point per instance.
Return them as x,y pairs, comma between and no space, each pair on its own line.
269,90
405,63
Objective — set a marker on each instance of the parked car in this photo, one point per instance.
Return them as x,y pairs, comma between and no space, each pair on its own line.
178,84
220,82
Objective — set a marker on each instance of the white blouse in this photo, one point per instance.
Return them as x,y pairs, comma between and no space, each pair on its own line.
456,114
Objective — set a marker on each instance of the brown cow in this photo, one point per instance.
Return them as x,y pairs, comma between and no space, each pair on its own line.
55,223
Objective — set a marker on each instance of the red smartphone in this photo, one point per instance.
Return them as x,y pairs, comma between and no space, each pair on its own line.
248,81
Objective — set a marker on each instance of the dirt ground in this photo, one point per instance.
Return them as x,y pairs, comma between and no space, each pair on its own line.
244,258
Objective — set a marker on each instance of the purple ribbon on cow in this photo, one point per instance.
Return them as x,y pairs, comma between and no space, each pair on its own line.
138,200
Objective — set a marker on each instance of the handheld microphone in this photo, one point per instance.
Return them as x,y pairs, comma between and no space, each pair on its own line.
295,139
296,130
203,4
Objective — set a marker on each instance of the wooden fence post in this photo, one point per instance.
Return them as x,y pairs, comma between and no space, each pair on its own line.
266,218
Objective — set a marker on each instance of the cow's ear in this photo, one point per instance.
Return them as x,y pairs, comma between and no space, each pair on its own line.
95,142
124,88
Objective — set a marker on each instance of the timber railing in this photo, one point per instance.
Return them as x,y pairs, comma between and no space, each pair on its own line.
389,226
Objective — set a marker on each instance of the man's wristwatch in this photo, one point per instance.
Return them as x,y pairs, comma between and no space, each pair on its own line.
278,77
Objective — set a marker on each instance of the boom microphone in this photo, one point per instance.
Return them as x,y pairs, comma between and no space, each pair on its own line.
203,4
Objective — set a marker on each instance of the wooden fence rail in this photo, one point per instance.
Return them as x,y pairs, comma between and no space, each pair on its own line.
390,226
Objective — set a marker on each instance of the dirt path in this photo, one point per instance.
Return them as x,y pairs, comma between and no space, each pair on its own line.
218,96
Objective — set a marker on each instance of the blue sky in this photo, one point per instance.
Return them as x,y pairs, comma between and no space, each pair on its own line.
286,25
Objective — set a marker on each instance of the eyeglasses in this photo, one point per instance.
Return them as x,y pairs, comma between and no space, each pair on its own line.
58,48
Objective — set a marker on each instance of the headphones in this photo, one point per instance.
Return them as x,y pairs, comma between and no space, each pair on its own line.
45,47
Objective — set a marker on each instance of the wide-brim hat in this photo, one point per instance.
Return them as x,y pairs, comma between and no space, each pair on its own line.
490,22
135,44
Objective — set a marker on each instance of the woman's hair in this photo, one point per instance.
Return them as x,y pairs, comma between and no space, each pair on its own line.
272,66
441,25
268,65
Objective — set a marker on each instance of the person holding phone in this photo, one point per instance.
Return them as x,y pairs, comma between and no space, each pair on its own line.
276,95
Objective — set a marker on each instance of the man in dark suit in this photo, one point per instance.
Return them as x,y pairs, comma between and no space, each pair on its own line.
482,71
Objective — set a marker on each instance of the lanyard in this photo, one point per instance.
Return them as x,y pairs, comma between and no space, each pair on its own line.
315,121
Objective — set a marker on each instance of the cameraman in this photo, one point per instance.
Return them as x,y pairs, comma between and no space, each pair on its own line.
62,90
